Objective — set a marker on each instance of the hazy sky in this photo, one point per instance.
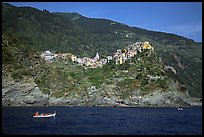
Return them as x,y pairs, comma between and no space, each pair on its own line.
181,18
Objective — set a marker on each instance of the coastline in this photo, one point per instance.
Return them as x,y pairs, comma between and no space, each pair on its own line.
112,106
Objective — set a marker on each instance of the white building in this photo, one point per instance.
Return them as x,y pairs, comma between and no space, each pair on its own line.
74,58
47,55
109,58
104,61
55,55
96,57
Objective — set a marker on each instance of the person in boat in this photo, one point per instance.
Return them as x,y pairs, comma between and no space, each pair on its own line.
44,114
36,114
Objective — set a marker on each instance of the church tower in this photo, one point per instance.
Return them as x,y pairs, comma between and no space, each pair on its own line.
96,57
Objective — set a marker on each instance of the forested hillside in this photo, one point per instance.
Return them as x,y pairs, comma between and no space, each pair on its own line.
39,30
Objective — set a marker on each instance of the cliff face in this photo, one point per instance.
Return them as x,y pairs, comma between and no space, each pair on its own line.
21,93
27,93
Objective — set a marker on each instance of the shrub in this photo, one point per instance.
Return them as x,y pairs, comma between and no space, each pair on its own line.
58,94
16,74
162,83
25,72
46,91
144,82
139,76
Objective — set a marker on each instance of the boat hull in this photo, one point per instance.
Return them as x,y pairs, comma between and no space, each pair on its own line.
45,116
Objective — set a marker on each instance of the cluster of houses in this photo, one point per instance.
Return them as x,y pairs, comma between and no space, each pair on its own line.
85,61
119,57
48,56
92,63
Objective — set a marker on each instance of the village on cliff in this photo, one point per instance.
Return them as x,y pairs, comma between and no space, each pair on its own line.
119,57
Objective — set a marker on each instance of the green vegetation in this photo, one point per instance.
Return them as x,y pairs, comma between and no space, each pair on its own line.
27,31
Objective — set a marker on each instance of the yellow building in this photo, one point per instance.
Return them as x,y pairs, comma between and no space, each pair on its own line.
123,54
121,60
124,51
73,58
147,45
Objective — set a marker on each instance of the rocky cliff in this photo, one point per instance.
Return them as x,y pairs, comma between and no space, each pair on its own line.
27,93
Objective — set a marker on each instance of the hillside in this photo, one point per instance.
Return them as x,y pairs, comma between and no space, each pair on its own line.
27,32
41,30
140,81
183,54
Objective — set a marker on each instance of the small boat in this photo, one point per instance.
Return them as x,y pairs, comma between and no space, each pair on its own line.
45,115
179,108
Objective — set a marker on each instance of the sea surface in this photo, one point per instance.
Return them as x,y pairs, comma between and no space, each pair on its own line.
102,121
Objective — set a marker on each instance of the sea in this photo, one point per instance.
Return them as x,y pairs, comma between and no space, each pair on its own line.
86,120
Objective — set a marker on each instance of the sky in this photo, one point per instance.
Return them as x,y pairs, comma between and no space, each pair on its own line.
181,18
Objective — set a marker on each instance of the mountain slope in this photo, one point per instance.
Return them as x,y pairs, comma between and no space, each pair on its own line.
71,32
183,54
45,31
141,81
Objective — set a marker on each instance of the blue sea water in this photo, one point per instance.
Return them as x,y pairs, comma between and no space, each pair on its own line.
102,121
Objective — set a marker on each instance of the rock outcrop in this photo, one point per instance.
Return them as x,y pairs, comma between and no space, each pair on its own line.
21,93
27,93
